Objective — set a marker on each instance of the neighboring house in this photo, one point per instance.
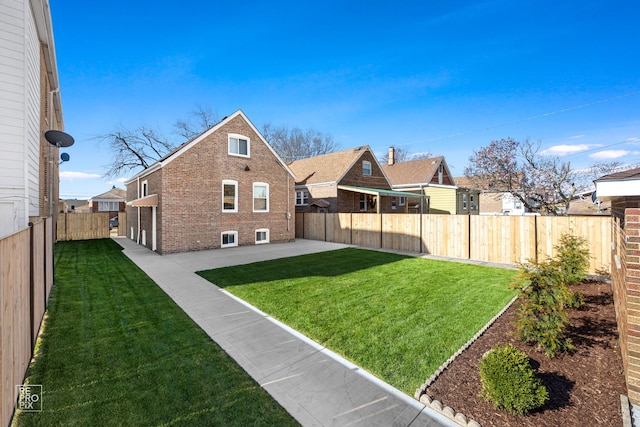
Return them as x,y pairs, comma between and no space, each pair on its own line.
73,204
493,202
346,181
622,189
432,178
225,187
31,105
113,201
586,204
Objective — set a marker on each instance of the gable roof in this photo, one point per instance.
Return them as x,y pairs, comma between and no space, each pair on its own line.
419,171
624,175
178,151
113,194
327,168
619,184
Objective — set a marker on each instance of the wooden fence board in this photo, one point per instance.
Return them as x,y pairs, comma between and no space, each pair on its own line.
446,235
15,325
366,230
315,226
501,239
38,283
338,226
83,226
400,232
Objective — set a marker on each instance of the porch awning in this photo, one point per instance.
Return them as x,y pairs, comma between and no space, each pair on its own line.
147,201
379,191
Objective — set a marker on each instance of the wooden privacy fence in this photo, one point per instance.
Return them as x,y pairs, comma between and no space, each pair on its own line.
502,239
83,226
26,275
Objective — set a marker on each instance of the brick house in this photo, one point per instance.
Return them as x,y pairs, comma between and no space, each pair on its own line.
432,178
112,201
346,181
225,187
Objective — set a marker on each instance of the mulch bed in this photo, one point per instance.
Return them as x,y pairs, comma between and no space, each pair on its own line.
584,386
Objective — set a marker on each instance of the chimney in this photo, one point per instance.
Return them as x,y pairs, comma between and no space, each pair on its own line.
392,155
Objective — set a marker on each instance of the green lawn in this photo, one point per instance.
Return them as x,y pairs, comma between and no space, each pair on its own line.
117,351
398,317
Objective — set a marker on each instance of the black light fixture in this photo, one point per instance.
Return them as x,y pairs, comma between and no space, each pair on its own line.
246,168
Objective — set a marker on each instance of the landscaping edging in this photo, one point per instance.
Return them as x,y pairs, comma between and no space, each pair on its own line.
421,393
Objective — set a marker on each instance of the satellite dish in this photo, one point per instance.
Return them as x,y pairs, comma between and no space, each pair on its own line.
59,138
64,157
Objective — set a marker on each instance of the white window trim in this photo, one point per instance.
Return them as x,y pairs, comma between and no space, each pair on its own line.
229,245
144,191
363,200
368,163
302,198
261,184
401,201
238,136
260,230
235,199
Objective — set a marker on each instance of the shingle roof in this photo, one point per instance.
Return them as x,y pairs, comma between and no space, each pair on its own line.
327,167
628,174
413,171
114,193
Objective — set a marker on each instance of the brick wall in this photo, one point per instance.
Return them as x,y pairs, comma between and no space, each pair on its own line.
189,189
632,262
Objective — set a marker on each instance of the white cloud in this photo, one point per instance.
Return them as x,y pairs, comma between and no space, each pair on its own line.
73,176
609,154
564,149
576,137
118,181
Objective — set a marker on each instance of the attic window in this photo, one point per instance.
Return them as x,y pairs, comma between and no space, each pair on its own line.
238,145
366,168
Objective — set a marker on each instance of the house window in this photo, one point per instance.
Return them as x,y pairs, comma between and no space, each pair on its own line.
302,198
145,188
402,201
363,202
107,206
262,236
238,145
366,168
229,239
229,196
517,204
260,197
464,201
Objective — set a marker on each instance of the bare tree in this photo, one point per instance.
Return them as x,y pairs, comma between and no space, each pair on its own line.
294,144
541,183
201,119
134,149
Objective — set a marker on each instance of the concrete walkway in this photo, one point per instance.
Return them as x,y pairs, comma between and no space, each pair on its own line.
315,385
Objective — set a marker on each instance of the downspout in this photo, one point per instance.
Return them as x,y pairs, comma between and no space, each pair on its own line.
138,189
51,163
288,214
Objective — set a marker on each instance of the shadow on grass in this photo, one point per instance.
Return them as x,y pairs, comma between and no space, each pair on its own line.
322,264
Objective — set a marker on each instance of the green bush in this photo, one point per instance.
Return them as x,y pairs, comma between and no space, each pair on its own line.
542,315
510,382
573,258
545,296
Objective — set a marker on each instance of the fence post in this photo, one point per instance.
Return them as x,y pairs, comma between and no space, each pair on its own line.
32,285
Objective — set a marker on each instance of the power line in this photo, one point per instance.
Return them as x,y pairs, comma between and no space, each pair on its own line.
539,116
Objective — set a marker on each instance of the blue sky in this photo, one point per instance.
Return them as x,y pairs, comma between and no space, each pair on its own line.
443,77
